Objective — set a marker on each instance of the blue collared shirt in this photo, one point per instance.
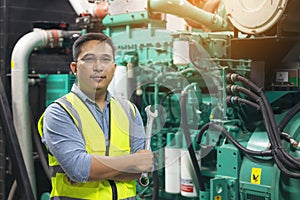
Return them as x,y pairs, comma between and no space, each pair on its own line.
66,143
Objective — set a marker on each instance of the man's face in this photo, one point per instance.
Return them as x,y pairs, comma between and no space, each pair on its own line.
95,67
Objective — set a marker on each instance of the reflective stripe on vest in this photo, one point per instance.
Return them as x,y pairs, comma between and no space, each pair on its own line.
95,144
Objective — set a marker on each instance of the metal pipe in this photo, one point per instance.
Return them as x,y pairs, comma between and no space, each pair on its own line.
80,6
184,9
19,87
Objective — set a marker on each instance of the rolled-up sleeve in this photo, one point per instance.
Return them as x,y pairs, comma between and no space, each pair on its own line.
66,143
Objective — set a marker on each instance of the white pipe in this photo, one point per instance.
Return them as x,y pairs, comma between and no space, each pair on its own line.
19,87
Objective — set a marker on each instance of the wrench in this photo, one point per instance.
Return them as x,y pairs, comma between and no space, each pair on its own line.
144,180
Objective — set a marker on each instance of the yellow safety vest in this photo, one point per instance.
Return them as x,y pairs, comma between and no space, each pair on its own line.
95,144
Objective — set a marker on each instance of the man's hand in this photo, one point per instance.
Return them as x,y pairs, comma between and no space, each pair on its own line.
143,160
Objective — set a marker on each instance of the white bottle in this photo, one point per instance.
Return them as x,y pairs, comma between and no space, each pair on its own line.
188,187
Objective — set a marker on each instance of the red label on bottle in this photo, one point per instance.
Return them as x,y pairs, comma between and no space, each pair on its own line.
187,188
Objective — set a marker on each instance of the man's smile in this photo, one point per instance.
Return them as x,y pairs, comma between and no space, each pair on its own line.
98,77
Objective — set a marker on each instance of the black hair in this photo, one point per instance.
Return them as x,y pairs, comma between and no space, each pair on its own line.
90,36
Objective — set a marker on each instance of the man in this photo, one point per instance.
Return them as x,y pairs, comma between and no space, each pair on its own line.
95,141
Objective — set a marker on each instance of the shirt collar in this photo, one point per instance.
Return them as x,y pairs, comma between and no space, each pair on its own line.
75,89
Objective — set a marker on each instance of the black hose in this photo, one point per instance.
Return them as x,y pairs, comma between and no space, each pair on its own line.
39,147
256,98
284,156
284,170
273,131
293,111
171,92
266,114
189,142
201,132
281,156
235,99
155,180
232,89
270,115
231,138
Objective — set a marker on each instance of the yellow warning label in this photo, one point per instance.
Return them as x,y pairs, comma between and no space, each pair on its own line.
256,175
12,64
218,198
